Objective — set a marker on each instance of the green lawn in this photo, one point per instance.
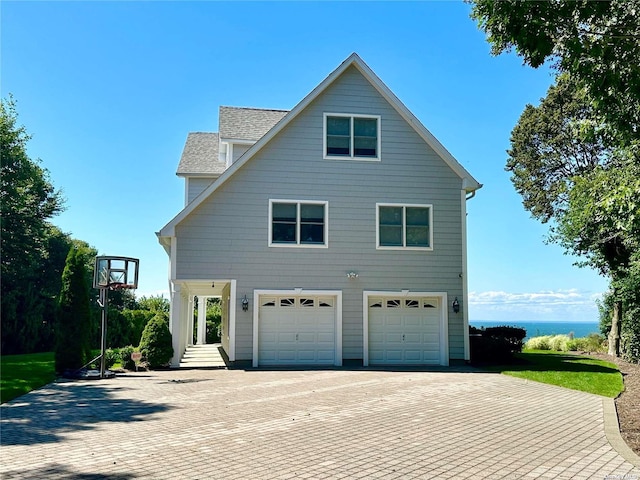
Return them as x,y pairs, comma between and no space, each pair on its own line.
566,370
20,374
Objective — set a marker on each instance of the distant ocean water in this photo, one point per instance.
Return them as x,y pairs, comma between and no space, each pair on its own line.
538,329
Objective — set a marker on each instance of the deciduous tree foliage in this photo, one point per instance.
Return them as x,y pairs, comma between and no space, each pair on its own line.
561,138
27,240
575,158
597,42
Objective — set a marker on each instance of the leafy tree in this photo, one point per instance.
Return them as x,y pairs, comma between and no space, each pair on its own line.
27,201
73,315
575,157
554,142
153,304
598,43
156,344
602,224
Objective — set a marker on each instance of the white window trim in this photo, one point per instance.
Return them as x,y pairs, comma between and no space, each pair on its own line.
377,158
298,203
404,226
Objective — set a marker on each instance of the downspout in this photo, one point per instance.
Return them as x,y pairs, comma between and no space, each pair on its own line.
466,196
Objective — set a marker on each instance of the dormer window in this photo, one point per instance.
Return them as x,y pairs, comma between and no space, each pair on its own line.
351,137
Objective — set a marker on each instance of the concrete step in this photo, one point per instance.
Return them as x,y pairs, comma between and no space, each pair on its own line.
203,356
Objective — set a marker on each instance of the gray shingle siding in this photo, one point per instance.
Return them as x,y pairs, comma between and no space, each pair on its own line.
226,236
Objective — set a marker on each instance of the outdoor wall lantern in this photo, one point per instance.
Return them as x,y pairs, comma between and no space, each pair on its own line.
456,305
352,275
245,304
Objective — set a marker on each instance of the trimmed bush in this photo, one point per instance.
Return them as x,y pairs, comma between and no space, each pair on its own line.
125,357
111,357
495,344
156,345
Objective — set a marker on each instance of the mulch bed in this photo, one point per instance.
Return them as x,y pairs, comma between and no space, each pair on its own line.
628,402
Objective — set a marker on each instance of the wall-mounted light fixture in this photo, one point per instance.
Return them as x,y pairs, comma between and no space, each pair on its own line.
245,304
213,284
352,275
455,305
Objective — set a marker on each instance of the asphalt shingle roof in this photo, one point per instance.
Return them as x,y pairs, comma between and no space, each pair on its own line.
200,155
247,123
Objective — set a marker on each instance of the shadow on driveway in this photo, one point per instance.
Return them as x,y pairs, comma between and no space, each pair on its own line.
43,415
61,472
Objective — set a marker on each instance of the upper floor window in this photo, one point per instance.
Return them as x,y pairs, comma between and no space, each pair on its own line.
404,227
355,137
297,223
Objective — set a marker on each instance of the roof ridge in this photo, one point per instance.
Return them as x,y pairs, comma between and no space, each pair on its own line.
256,108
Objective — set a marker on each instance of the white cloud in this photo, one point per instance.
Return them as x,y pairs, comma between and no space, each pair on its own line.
552,305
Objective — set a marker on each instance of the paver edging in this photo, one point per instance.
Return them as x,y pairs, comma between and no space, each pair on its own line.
612,432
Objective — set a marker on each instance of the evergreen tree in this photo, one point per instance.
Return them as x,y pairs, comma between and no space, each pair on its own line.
73,326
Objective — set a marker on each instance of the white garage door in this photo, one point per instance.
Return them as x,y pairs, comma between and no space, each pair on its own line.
297,330
405,330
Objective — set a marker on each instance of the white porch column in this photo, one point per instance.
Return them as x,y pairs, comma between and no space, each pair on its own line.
190,321
175,324
202,320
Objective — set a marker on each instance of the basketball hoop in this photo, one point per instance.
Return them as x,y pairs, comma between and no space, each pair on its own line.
112,273
115,273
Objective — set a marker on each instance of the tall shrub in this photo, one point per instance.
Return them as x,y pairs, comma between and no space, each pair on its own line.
73,314
155,345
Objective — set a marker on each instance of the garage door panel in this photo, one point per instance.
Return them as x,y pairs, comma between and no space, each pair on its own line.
326,338
394,356
412,321
286,355
392,320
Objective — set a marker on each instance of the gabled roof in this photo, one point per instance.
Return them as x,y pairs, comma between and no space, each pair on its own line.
200,156
247,123
469,183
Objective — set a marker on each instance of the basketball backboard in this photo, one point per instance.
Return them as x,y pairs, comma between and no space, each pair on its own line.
115,272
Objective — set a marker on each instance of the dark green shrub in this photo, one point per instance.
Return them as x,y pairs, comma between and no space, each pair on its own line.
214,320
156,345
125,357
495,344
136,321
112,356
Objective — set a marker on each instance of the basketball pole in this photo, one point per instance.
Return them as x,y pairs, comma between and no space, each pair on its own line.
104,302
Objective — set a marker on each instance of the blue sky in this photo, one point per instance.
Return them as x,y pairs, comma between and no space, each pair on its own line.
109,91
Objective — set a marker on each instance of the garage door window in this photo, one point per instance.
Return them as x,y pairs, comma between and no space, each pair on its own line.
297,224
404,227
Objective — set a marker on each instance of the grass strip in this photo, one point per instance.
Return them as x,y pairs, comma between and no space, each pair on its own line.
19,374
573,371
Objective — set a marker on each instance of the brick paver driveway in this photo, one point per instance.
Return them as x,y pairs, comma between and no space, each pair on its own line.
308,424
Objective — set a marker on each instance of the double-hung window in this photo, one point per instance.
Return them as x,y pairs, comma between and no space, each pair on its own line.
297,223
351,137
404,227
